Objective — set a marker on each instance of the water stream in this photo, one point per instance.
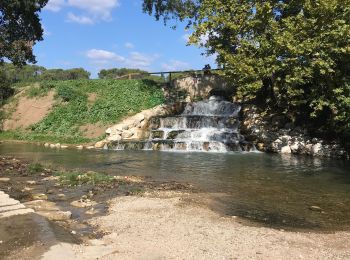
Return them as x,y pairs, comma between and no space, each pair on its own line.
271,189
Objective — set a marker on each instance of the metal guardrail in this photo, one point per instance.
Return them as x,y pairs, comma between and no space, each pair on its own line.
169,73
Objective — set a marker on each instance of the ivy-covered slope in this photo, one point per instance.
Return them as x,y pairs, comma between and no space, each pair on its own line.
85,102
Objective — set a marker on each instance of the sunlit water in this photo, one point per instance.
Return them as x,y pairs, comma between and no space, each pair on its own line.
272,189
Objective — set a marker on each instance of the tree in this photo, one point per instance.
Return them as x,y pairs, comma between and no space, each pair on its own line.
296,54
116,73
20,29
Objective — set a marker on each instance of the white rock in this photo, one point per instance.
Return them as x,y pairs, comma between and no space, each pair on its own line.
127,134
114,138
294,147
286,150
316,148
47,145
80,147
100,144
58,145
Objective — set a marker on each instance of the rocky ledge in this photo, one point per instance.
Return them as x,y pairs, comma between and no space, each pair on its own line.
275,134
137,127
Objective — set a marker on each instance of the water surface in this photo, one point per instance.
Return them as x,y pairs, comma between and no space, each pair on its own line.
272,189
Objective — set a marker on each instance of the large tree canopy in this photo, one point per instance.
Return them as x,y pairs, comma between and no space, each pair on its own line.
20,29
296,52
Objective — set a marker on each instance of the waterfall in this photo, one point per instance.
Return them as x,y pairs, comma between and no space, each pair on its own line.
204,126
208,126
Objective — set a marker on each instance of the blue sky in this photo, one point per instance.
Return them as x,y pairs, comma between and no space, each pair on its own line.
98,34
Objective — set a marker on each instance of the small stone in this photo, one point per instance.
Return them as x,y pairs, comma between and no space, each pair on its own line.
73,232
31,182
315,208
4,179
90,147
39,196
52,146
80,147
26,189
64,146
47,145
58,145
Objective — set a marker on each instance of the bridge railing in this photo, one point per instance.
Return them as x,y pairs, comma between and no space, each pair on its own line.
168,76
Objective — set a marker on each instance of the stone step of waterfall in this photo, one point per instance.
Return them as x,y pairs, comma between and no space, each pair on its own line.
194,122
171,145
223,135
10,207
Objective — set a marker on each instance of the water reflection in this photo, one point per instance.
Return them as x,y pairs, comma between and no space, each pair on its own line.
273,189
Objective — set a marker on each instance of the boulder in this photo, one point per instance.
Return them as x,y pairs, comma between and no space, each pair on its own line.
316,149
286,150
100,144
114,138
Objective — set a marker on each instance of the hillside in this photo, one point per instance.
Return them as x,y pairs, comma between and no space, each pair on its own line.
74,111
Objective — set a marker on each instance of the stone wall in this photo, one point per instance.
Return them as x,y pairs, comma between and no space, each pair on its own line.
274,133
201,86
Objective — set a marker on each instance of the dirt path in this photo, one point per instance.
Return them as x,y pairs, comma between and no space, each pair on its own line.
164,227
29,111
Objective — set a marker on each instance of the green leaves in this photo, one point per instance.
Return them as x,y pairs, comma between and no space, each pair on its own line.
293,53
20,28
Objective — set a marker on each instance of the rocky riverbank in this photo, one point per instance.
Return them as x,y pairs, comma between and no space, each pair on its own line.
88,215
63,201
274,133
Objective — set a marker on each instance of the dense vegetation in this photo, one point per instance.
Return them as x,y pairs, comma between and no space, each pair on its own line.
34,73
292,55
116,73
114,99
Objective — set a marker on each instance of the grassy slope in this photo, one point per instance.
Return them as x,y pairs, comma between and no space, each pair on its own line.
115,99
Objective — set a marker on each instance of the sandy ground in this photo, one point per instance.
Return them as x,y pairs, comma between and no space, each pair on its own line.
29,111
167,227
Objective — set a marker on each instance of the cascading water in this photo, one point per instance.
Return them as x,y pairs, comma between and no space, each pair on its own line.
208,126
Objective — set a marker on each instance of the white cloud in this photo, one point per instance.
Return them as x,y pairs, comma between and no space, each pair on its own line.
129,45
92,11
79,19
55,5
102,55
99,9
139,60
173,65
108,59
